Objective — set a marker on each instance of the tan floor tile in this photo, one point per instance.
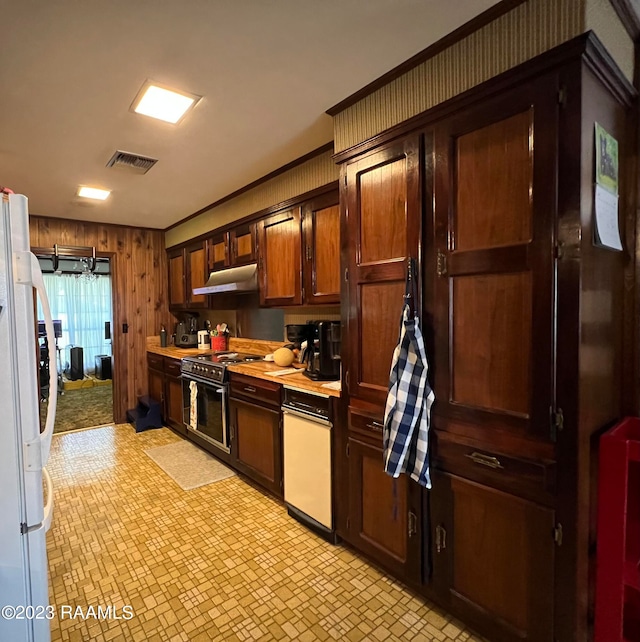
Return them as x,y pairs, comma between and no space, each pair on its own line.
220,562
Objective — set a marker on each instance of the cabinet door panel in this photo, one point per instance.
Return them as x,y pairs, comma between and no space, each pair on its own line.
173,403
257,443
491,329
499,155
156,387
176,278
383,215
322,250
384,204
493,554
242,241
379,512
494,292
219,252
379,319
280,264
196,273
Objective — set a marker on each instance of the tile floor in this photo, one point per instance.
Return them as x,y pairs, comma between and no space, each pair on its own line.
220,562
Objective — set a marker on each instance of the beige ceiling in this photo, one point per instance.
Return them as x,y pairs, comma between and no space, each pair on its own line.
267,69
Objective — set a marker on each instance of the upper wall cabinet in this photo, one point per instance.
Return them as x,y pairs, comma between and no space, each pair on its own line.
233,248
321,224
175,259
280,258
299,254
187,270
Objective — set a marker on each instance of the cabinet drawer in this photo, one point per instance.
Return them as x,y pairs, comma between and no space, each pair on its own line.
367,424
255,389
463,457
155,361
172,366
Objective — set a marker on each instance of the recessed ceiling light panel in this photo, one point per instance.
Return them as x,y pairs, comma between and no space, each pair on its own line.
93,192
161,102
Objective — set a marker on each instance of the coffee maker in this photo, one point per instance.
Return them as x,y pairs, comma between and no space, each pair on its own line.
186,335
323,353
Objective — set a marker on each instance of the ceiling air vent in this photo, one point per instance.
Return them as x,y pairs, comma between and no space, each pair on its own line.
132,162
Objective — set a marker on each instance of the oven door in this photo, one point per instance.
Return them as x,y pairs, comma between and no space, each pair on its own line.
210,420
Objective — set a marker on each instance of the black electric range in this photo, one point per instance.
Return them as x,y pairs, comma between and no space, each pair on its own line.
212,366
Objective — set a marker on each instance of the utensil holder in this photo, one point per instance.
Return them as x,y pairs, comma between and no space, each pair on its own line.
219,343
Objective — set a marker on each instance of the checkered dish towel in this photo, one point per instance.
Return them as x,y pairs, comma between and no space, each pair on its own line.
408,410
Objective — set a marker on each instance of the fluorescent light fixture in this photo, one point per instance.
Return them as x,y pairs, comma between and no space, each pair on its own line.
163,103
93,192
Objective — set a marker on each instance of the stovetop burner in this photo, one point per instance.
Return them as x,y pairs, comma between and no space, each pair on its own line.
227,357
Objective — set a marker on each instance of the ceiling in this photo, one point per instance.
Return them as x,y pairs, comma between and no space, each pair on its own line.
267,70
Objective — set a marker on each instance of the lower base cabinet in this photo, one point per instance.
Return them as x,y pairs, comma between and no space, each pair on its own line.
493,559
173,403
255,428
383,522
165,386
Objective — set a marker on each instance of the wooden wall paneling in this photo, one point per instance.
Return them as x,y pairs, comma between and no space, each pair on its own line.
139,292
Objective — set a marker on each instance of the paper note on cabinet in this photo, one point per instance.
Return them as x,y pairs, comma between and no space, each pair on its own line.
607,232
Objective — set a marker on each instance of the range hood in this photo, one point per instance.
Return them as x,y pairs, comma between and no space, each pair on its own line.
240,279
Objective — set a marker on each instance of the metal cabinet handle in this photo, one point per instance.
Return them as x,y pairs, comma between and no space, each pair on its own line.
484,460
441,538
249,389
375,425
413,524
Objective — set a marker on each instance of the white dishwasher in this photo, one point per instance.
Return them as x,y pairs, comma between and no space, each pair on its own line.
307,459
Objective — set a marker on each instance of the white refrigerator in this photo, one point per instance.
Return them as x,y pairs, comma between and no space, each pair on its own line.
24,450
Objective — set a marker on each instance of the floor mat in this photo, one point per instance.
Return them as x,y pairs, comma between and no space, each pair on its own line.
187,465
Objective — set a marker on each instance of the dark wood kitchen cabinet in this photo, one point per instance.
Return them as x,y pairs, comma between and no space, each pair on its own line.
280,259
495,189
384,515
321,225
175,260
299,254
255,428
218,250
165,386
187,270
493,553
156,379
383,197
233,248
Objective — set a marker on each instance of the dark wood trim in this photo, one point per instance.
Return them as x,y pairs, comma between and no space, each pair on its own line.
586,45
292,202
629,13
605,69
462,32
632,299
78,221
276,172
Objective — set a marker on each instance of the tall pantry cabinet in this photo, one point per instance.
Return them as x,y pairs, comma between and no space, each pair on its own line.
492,192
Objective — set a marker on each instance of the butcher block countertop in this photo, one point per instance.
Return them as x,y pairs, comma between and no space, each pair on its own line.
261,370
258,369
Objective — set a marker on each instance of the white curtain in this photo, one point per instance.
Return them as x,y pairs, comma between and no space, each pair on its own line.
83,306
